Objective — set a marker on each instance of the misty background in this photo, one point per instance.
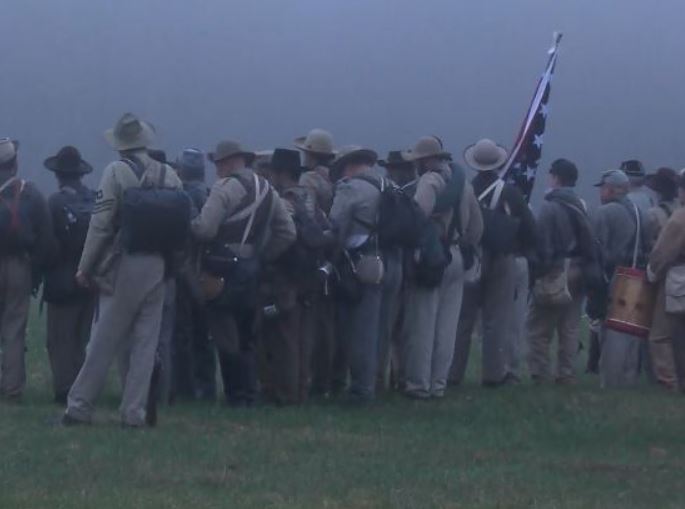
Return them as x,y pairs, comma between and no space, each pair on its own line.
375,72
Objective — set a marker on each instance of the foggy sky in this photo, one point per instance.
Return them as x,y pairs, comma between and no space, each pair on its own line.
375,72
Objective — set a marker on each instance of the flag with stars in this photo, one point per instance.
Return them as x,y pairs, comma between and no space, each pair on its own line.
522,165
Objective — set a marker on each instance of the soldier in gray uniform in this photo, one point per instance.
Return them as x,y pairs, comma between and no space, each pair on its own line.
247,223
194,355
130,284
70,307
26,240
329,366
354,216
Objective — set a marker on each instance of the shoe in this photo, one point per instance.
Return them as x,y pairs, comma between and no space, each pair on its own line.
11,399
511,379
420,396
67,421
567,380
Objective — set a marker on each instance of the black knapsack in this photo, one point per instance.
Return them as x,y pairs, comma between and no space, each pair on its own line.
76,209
432,255
154,219
16,231
308,251
399,217
500,229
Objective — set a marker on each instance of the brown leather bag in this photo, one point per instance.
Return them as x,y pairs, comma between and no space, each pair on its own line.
211,286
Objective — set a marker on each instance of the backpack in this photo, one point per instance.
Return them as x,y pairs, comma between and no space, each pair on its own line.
154,219
312,240
72,225
500,228
399,217
16,230
432,255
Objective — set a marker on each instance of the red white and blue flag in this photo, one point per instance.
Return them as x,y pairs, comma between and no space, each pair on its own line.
522,165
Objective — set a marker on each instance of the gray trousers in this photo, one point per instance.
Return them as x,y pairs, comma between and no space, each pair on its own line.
493,296
15,300
390,308
432,316
68,332
129,319
619,361
358,333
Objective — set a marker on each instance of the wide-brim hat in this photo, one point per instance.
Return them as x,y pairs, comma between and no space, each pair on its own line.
227,149
396,158
130,133
663,181
317,141
286,160
633,168
354,154
485,155
428,147
68,160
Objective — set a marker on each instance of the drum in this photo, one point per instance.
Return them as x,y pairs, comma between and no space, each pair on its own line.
631,302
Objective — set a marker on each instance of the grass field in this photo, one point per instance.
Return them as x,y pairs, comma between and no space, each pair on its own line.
525,446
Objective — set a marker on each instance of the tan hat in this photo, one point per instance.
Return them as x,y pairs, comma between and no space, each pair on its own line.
428,146
228,148
485,155
354,153
8,149
317,141
130,133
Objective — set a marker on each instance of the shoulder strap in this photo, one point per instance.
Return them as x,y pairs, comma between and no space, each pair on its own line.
638,234
162,176
496,189
8,183
377,183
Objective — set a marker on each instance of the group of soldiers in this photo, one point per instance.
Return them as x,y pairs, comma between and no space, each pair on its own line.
317,272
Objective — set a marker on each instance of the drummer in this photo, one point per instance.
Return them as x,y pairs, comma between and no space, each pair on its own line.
615,223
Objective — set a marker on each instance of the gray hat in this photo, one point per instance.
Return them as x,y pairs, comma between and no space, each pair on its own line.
485,155
191,160
229,148
354,153
428,147
614,178
317,141
8,150
130,133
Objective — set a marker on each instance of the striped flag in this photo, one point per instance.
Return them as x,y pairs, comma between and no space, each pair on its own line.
522,165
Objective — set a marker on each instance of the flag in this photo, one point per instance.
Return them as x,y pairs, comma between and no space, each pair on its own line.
522,165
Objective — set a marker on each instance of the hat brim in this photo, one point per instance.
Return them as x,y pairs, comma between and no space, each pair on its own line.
470,160
52,164
299,144
420,157
363,154
144,140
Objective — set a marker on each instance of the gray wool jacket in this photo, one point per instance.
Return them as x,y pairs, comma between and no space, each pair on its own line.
615,227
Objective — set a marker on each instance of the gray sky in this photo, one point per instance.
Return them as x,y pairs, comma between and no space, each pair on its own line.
374,72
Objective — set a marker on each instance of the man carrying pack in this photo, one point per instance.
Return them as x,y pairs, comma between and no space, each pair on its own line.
318,152
194,355
291,286
565,247
354,217
508,230
26,241
400,170
140,216
70,307
432,309
245,223
616,226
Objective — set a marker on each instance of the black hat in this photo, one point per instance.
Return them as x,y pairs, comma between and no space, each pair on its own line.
565,170
633,168
286,160
396,158
663,181
68,160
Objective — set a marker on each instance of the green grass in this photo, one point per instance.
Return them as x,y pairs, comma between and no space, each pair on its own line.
525,446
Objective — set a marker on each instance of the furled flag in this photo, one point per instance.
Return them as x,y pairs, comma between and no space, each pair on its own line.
523,161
